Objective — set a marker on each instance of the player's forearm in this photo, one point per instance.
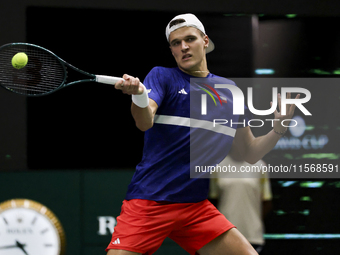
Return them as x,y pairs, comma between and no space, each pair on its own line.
143,109
260,146
143,117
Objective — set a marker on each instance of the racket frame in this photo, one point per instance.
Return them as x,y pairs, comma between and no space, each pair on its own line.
92,77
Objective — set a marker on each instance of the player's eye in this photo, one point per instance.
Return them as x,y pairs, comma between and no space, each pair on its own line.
191,39
175,43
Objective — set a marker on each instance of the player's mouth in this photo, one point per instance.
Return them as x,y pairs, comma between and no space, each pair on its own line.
186,57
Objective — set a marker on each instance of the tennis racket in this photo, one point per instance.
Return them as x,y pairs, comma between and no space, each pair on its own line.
43,74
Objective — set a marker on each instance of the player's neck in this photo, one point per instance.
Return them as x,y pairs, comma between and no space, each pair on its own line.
201,71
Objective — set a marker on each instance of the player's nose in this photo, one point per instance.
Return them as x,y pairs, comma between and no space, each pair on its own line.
184,46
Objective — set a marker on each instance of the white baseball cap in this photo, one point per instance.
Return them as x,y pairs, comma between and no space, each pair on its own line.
188,20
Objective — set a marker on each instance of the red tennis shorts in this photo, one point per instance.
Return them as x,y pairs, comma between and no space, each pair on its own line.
143,225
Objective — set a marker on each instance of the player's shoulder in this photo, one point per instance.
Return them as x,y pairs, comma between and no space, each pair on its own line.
163,74
223,79
162,70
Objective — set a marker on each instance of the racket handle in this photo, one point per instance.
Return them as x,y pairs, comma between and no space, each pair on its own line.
112,81
107,79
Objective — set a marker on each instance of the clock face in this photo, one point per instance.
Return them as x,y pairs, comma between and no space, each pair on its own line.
27,228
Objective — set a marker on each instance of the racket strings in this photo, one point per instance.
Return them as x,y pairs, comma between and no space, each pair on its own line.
42,74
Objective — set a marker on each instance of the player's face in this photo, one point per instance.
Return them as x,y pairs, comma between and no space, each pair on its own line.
188,48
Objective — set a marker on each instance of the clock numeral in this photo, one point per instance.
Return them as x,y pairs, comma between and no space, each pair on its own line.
6,222
44,231
48,245
34,220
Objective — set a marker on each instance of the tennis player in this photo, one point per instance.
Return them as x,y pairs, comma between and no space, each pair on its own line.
162,200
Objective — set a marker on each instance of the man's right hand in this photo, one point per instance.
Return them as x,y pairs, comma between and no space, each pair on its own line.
130,86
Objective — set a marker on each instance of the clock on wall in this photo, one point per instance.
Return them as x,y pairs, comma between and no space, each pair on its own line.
29,228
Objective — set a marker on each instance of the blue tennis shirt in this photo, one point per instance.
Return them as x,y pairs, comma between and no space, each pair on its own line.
181,137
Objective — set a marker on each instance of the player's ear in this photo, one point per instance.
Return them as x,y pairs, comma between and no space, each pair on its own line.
206,41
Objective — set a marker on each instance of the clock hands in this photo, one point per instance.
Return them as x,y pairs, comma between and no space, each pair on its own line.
21,246
8,247
17,245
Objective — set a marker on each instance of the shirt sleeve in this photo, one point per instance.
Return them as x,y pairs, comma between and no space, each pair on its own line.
244,118
155,85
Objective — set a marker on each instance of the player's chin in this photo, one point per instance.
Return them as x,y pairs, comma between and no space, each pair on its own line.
187,66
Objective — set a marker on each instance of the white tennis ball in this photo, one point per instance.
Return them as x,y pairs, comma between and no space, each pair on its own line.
19,60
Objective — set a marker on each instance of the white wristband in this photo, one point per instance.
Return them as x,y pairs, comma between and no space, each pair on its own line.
141,100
